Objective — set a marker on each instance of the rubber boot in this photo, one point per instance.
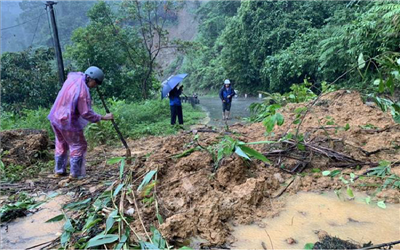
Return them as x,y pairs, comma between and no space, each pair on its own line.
227,115
223,115
61,164
77,167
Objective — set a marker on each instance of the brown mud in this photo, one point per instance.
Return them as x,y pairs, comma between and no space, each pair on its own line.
195,200
23,146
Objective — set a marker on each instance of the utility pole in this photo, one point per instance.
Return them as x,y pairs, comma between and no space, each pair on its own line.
60,63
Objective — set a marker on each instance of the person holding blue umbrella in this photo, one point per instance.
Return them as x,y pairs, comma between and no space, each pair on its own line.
172,88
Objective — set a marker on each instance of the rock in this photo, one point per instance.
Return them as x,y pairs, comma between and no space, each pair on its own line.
322,234
279,178
291,241
130,211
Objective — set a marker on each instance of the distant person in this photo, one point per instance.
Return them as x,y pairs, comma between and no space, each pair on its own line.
176,104
226,94
70,113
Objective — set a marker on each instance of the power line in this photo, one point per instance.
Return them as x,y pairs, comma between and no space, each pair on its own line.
22,23
37,25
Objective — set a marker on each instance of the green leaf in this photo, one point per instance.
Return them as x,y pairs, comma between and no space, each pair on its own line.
102,239
335,173
368,200
157,239
352,175
326,173
239,152
160,219
185,248
301,147
381,204
269,123
115,160
254,153
347,127
121,168
390,84
59,217
309,246
316,170
361,61
78,205
350,192
147,179
344,180
296,121
111,220
68,226
90,222
381,87
148,246
118,189
65,238
279,119
123,240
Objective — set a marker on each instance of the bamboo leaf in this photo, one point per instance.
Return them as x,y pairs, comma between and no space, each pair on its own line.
147,179
59,217
254,153
119,187
78,205
350,192
121,168
115,160
239,152
111,220
102,239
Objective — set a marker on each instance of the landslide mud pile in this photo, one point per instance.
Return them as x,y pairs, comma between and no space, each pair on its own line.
196,200
23,146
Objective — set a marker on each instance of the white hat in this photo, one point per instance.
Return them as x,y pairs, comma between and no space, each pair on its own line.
227,82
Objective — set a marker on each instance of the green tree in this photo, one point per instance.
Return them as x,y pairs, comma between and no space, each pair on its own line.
105,44
28,79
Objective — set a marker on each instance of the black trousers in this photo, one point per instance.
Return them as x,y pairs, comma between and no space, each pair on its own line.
176,110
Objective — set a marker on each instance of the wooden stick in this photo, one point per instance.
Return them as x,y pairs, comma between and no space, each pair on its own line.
128,151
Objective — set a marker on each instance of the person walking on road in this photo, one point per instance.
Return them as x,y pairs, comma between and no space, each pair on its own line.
70,113
226,94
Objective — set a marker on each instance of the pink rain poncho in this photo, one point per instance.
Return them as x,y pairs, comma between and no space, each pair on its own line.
69,115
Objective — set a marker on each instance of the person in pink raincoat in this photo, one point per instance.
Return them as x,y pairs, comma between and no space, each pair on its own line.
70,113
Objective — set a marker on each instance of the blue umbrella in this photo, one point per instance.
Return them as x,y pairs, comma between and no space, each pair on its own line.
170,84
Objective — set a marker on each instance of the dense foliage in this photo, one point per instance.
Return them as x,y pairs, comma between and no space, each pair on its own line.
270,45
28,79
99,43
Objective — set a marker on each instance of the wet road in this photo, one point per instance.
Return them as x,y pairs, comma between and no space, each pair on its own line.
239,109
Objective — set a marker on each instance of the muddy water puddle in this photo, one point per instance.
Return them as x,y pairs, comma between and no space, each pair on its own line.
32,230
306,213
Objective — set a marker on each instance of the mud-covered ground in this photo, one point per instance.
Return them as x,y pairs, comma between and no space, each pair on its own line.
194,199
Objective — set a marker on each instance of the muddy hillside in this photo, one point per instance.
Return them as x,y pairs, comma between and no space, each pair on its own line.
186,186
199,197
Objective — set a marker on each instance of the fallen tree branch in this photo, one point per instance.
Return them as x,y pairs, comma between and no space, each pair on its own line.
381,245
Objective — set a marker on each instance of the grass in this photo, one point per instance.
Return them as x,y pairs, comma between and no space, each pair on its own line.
135,120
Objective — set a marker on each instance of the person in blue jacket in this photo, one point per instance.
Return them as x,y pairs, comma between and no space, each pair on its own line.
176,104
226,94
